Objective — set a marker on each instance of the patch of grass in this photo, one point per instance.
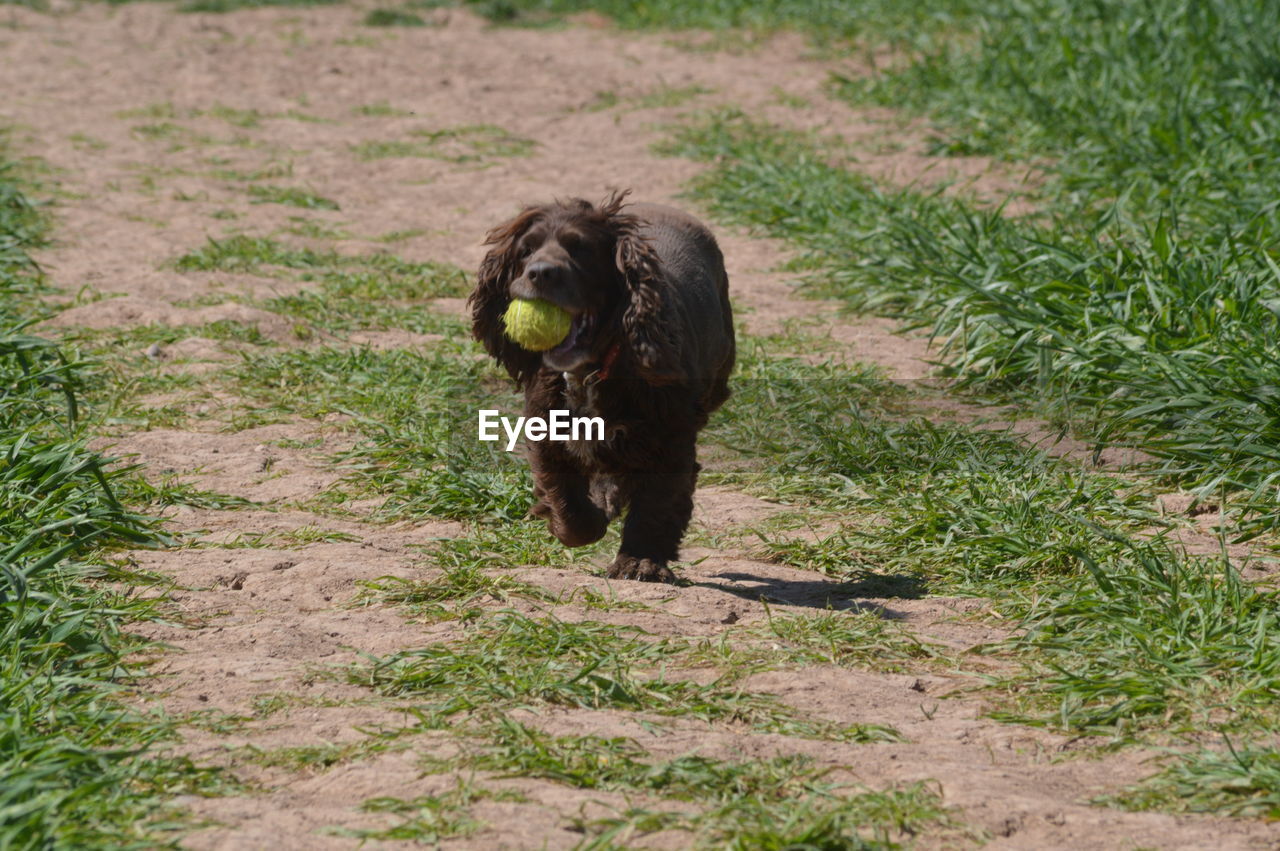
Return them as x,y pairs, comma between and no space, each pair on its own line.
957,507
170,491
509,660
158,110
401,235
85,142
1232,782
291,196
270,171
75,759
662,96
464,144
315,229
1138,310
159,130
221,6
314,759
824,21
1150,643
735,799
303,536
855,639
430,819
450,594
380,109
393,18
415,412
369,292
236,117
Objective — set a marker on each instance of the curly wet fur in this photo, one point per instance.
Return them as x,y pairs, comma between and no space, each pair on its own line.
653,278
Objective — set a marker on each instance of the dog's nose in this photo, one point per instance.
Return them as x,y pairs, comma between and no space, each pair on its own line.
542,273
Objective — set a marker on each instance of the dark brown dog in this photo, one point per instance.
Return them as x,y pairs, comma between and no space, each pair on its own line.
649,351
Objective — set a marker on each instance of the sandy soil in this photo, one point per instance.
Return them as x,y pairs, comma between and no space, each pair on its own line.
256,622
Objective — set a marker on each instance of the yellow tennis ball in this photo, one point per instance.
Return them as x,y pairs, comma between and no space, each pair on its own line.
535,324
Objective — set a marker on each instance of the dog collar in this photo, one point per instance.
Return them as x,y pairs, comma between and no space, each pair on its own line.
609,358
593,378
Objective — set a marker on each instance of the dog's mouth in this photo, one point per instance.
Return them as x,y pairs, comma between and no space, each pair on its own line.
575,350
579,333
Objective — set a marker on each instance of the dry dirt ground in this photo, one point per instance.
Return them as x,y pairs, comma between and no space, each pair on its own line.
255,623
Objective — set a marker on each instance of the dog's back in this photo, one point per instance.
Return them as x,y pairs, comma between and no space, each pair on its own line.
699,304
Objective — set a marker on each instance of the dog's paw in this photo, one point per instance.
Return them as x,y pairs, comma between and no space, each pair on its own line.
641,570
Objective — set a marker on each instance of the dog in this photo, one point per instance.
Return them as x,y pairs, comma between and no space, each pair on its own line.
649,350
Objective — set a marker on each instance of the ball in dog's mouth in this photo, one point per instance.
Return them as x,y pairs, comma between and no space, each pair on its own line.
579,332
538,325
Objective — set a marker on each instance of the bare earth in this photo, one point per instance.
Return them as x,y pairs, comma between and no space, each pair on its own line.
256,622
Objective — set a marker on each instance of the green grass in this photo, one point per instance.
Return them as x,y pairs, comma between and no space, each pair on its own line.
656,98
1121,634
461,145
1131,334
1152,644
1231,782
71,753
825,21
380,109
291,196
747,803
222,6
355,293
393,18
864,640
955,507
428,819
508,660
415,414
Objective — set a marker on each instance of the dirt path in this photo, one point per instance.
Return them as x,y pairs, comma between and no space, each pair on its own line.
149,119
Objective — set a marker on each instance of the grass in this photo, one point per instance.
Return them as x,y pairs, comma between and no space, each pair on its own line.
1121,634
1153,644
1231,782
831,22
414,413
656,98
461,145
393,18
291,196
71,753
740,803
380,109
508,660
428,819
371,292
854,639
223,6
1138,306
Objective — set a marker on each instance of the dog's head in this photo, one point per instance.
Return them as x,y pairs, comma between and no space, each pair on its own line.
589,260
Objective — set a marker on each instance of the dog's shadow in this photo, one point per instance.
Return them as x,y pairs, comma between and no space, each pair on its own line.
869,593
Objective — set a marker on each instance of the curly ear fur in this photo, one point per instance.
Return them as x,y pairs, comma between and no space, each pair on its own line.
644,324
490,299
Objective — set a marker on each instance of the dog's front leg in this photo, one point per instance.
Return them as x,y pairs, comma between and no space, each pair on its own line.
661,505
561,494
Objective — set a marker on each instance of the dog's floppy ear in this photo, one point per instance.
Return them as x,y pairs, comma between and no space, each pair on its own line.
646,322
490,299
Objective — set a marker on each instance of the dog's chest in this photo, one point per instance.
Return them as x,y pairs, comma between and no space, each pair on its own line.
585,399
